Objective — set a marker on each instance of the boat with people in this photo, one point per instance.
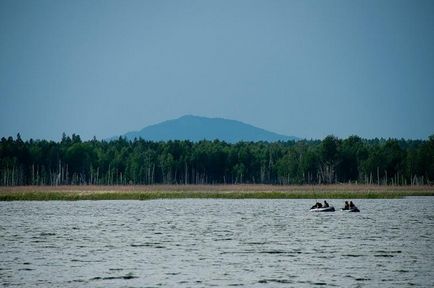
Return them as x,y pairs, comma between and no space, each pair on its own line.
318,207
350,207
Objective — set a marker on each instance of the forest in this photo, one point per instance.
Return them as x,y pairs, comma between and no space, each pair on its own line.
121,162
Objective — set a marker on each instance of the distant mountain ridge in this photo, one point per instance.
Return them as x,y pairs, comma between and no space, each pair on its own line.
196,128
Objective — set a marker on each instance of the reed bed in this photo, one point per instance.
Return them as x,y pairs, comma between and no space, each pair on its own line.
342,191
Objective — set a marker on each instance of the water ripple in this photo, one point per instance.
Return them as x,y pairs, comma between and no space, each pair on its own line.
223,243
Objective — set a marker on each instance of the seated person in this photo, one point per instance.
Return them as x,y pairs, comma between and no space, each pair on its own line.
317,205
352,205
347,206
326,204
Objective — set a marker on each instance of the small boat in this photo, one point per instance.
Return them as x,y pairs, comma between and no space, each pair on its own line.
323,209
354,209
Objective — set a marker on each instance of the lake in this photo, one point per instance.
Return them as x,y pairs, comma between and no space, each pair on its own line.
222,243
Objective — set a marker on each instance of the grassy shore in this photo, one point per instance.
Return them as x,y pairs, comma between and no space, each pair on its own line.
342,191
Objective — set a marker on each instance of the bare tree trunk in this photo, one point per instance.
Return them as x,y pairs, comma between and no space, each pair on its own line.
378,175
386,175
186,173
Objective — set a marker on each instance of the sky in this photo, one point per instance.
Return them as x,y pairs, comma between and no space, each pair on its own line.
302,68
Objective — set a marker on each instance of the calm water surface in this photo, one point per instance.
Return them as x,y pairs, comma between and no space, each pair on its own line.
204,243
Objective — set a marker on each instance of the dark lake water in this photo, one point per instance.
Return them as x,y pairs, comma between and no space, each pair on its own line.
223,243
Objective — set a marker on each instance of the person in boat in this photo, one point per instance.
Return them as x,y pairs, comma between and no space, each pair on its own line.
317,205
347,206
326,204
352,206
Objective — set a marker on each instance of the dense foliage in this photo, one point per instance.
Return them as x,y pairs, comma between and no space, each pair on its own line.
332,160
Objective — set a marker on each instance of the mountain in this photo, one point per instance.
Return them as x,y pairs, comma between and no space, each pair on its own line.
195,128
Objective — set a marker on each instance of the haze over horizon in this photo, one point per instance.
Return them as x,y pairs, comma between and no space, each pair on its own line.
302,68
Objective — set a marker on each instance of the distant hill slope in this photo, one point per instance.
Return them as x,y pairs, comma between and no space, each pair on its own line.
196,128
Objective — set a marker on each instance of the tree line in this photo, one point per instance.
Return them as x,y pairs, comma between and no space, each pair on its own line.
72,161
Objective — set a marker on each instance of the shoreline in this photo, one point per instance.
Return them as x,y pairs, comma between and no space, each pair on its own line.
242,191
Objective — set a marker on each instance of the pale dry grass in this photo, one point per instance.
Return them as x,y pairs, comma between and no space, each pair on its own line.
146,192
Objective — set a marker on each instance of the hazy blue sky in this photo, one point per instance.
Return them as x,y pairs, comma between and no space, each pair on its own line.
303,68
